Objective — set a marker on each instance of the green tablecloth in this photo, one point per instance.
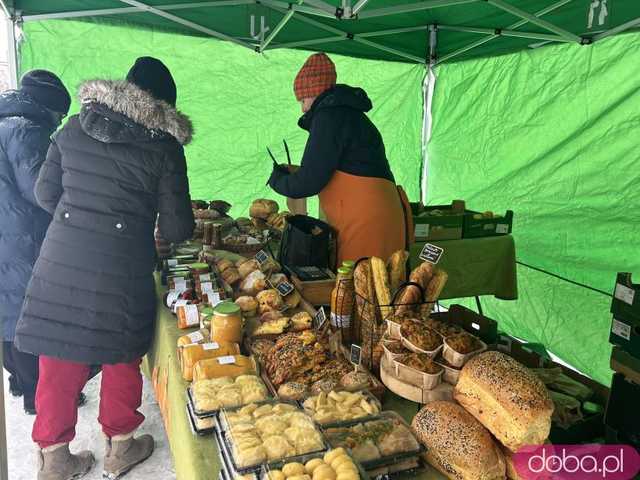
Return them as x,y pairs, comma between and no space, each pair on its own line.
476,266
196,458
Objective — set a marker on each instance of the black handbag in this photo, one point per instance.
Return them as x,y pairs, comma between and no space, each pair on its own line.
307,242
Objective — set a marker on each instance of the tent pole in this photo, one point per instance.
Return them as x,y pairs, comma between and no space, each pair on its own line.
306,43
428,89
384,48
618,29
518,24
507,7
187,23
12,50
124,10
276,30
412,7
506,33
358,7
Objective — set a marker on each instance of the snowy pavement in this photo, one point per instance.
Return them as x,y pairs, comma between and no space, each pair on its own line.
21,451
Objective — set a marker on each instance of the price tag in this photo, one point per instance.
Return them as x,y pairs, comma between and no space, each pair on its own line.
228,360
180,303
192,315
196,337
625,293
285,288
213,298
211,346
172,262
179,283
262,257
356,354
502,228
431,253
422,230
172,296
205,277
320,318
206,287
621,329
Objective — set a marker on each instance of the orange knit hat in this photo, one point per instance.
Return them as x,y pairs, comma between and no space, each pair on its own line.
316,75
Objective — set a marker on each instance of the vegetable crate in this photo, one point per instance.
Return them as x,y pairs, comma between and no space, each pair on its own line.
437,222
478,225
625,325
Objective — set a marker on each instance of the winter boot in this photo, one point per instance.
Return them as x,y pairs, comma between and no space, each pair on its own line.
123,452
14,387
57,463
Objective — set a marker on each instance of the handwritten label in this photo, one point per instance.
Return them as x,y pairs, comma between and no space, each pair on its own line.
422,230
262,257
205,277
191,315
228,360
172,262
320,318
502,228
625,294
196,337
211,346
285,288
431,253
356,354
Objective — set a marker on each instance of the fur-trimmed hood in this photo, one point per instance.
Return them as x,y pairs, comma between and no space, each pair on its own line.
141,107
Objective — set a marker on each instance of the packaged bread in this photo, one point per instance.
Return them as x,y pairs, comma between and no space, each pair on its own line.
226,366
507,398
397,267
263,208
381,284
216,393
191,354
457,444
200,336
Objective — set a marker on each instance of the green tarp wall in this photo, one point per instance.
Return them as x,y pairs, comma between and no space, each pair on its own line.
552,133
239,102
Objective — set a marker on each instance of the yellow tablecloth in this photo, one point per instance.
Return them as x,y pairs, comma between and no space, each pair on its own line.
196,458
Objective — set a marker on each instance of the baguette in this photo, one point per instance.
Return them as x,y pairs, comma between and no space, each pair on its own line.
411,296
433,290
397,267
381,284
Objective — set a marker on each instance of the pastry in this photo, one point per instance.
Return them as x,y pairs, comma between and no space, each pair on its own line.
457,445
247,267
254,283
248,305
269,300
260,348
420,362
325,385
231,276
340,406
295,355
301,321
293,391
263,208
224,264
507,398
355,381
420,336
463,343
396,347
273,327
246,457
270,425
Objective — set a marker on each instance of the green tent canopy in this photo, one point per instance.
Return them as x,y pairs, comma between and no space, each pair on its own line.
396,30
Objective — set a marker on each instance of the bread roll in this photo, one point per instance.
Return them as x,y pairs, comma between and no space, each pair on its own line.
507,398
263,208
397,267
457,445
247,267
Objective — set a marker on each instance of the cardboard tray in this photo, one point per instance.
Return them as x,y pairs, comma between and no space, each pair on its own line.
625,306
486,227
441,227
410,392
482,327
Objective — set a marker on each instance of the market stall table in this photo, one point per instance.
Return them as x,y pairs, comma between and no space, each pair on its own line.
476,266
195,457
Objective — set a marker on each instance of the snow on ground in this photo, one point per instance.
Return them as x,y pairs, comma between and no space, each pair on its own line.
21,451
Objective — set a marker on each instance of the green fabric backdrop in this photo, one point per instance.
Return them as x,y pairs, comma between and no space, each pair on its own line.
552,134
240,102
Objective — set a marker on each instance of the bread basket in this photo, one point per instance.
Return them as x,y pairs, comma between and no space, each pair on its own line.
432,353
427,381
458,359
450,374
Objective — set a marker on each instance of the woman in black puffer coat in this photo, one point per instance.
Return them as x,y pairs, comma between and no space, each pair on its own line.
109,173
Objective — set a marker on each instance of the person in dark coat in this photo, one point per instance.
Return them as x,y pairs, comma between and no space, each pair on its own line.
345,163
110,172
28,117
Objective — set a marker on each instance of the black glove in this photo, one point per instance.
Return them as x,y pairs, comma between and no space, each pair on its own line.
278,172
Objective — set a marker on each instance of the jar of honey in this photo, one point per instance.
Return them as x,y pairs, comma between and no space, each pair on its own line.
226,323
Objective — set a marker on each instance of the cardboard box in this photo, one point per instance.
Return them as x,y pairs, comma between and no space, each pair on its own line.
438,222
483,327
625,306
476,225
621,419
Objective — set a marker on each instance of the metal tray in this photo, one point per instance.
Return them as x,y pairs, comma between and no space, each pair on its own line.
382,461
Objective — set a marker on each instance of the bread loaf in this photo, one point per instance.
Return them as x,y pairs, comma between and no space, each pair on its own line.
192,354
397,267
457,445
507,398
263,208
433,290
218,367
422,274
411,296
381,284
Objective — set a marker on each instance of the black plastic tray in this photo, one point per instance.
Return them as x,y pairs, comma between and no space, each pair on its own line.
206,414
226,467
194,428
345,423
278,466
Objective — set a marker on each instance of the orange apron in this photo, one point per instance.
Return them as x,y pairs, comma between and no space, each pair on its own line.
367,214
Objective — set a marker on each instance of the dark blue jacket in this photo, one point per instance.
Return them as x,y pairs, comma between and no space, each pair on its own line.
25,130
